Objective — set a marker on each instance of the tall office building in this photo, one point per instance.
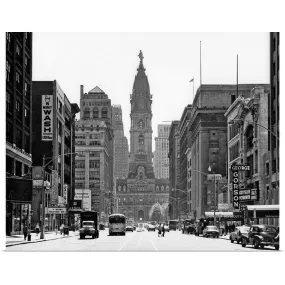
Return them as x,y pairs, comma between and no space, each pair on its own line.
18,130
161,161
121,147
94,145
53,137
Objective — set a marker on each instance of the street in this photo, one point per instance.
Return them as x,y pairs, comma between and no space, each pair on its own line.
137,241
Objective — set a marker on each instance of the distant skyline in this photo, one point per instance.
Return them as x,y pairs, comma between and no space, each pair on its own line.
110,61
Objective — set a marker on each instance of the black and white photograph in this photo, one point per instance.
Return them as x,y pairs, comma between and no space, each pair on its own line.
142,142
119,142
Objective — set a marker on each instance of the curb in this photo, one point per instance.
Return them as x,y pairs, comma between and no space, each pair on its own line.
41,240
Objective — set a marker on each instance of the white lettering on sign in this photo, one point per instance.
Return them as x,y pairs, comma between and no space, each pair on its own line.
47,113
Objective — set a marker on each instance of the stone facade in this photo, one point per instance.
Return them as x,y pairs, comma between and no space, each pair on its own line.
94,145
141,190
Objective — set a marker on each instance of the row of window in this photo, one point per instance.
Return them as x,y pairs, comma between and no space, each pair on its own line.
141,199
92,164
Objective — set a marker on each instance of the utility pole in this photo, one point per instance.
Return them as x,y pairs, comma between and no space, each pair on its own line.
42,236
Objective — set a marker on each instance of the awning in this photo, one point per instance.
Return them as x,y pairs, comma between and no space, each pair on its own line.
231,216
263,211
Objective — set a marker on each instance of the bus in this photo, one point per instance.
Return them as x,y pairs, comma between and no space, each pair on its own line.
117,224
173,224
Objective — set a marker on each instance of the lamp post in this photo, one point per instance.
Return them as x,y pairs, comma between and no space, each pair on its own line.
214,194
43,189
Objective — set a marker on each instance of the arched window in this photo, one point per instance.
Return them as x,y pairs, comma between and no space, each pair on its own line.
249,137
141,140
162,188
95,113
104,113
141,123
86,113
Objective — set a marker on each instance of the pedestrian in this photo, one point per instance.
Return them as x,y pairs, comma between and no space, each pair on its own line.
159,230
56,229
61,229
234,226
25,231
227,229
37,229
163,230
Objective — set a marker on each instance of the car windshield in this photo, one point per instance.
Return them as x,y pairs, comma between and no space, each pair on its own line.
116,220
268,229
86,224
212,228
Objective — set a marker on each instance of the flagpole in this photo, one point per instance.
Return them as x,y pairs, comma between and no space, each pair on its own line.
200,66
237,75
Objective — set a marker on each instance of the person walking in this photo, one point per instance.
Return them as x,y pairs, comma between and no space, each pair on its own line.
61,229
25,231
163,230
159,230
37,228
227,229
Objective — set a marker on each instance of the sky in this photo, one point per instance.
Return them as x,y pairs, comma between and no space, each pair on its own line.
110,61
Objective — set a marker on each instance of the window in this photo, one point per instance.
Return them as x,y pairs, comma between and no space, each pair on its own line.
18,110
94,154
9,106
256,162
95,113
18,138
249,137
27,117
80,164
27,144
234,151
274,166
104,113
9,132
19,81
94,164
233,98
8,72
267,168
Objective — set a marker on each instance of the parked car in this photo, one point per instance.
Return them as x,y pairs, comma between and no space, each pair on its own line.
151,228
237,233
212,231
260,236
166,228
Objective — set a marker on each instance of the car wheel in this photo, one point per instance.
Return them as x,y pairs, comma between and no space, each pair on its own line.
255,244
243,243
231,240
276,247
262,246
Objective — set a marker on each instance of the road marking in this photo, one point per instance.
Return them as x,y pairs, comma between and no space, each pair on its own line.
139,241
154,246
123,245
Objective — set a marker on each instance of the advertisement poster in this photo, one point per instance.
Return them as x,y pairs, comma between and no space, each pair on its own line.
86,195
47,117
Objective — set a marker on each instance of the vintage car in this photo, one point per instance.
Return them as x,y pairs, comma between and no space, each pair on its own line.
211,231
237,233
129,229
260,236
151,227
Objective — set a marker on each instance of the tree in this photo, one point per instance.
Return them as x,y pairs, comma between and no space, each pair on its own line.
155,212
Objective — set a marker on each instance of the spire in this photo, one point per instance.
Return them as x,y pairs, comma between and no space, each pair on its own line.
141,67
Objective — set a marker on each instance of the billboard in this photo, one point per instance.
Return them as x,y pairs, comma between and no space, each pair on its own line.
86,195
54,188
47,117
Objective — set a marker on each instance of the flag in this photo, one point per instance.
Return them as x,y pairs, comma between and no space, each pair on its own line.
192,79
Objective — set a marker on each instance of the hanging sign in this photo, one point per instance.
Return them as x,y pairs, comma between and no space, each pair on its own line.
47,113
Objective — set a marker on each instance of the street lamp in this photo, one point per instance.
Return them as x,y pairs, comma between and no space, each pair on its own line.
209,169
43,189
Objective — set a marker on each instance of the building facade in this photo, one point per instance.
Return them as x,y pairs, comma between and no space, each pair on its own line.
18,130
53,138
94,146
174,169
208,132
248,141
161,161
140,192
121,146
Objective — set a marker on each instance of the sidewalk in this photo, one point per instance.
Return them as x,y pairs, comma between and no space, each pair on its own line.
19,239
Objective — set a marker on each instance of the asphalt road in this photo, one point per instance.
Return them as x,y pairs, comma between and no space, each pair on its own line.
137,241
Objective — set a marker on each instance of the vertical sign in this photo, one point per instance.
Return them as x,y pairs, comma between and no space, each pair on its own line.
54,188
65,193
235,187
47,117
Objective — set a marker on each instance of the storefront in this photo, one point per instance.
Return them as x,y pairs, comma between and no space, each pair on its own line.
18,205
263,214
226,217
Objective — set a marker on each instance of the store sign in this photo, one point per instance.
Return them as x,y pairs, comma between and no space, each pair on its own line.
85,196
54,188
248,195
47,113
214,177
235,170
65,193
56,210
